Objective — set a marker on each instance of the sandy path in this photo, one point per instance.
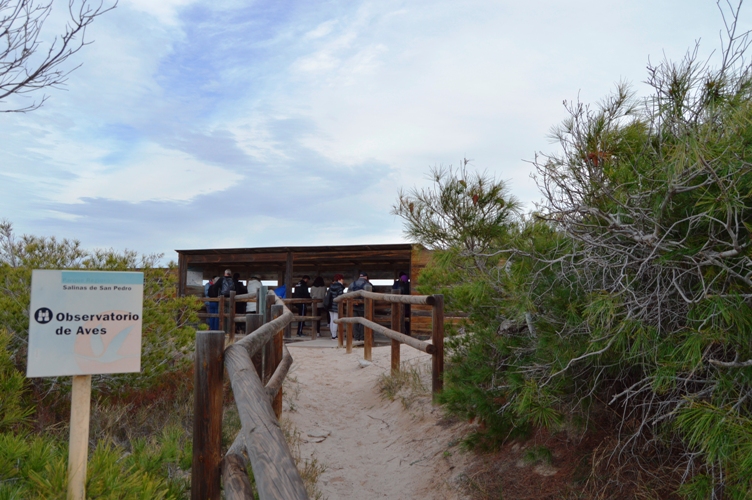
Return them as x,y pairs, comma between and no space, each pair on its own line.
371,447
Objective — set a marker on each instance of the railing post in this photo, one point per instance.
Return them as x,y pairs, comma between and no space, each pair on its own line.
368,333
231,318
252,322
268,355
349,327
277,342
437,336
207,415
221,311
315,324
395,309
340,327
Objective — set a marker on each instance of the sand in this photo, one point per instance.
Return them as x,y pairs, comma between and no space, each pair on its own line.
371,447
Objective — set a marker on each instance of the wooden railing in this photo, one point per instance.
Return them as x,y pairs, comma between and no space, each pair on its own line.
259,407
313,317
227,315
345,304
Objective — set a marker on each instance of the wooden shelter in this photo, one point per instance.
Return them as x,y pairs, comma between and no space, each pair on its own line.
286,265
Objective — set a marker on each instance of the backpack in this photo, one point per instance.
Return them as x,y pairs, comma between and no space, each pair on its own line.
328,299
228,285
359,284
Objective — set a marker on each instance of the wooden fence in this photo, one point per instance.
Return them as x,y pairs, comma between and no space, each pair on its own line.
259,407
346,303
226,314
256,366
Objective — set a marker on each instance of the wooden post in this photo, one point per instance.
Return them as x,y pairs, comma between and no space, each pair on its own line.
315,324
273,466
395,344
253,321
277,342
437,336
182,274
221,310
207,415
268,354
78,447
231,316
349,327
368,333
340,327
288,276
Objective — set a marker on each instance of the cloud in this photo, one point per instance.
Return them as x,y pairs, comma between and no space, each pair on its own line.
198,124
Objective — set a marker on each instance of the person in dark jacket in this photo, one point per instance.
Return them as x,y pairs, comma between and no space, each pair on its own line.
403,285
301,292
222,286
336,289
240,288
212,307
361,283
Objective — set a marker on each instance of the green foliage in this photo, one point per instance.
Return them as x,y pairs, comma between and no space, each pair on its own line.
630,284
461,210
13,410
168,321
35,467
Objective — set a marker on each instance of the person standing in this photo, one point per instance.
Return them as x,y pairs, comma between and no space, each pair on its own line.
318,291
301,292
361,283
336,289
211,307
254,288
240,289
403,285
223,286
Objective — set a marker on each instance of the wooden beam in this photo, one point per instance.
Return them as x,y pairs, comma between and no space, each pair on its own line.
368,332
207,415
274,469
437,336
396,326
411,341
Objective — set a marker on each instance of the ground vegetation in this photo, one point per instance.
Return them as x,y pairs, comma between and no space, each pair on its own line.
141,422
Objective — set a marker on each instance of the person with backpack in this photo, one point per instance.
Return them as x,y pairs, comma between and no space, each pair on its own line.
223,286
361,283
336,289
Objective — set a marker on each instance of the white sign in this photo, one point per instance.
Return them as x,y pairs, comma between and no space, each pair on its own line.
85,322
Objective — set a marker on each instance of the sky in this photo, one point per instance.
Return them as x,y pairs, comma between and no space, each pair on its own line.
204,124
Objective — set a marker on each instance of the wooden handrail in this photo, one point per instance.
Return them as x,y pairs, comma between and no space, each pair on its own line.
275,382
435,348
302,301
426,300
274,469
239,298
263,334
400,337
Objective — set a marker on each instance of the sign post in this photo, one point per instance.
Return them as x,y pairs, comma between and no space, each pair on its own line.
83,323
